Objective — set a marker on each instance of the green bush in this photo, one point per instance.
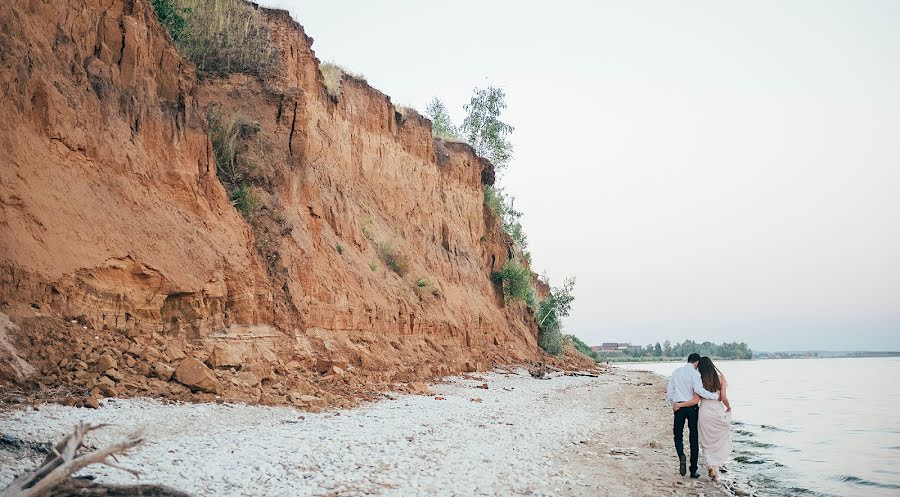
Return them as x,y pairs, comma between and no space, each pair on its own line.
220,37
422,282
243,200
582,347
502,207
228,137
393,258
373,265
550,312
515,279
441,123
551,340
339,248
170,16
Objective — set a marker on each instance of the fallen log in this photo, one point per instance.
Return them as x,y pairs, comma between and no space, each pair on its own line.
53,477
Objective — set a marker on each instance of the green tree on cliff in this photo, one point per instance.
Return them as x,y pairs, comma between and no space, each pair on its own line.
549,316
441,123
484,130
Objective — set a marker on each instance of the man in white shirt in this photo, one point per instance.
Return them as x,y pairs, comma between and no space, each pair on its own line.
683,383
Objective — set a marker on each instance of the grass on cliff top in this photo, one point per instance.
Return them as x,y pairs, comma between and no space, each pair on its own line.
333,74
220,37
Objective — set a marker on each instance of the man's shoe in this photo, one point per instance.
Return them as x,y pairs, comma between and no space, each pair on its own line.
682,465
694,474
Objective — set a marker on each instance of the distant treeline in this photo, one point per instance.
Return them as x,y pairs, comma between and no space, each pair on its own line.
668,351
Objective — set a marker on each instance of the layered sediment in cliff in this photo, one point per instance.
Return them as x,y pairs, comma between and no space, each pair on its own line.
118,238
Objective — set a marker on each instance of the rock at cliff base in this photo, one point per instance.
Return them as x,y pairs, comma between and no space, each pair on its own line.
223,356
163,371
174,352
106,361
245,379
418,388
324,366
92,402
195,375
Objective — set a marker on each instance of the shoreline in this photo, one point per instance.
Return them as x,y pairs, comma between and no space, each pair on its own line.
567,436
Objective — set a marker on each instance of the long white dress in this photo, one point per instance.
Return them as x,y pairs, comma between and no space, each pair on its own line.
714,426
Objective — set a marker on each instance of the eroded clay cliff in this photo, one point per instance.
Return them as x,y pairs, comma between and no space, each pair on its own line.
122,258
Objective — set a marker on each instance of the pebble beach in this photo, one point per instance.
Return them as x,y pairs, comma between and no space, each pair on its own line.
500,433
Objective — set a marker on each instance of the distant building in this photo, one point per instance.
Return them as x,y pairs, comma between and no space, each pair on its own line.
611,346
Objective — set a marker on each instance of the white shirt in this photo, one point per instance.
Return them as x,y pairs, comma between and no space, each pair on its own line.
684,382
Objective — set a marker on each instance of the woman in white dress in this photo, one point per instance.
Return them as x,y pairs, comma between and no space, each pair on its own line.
714,419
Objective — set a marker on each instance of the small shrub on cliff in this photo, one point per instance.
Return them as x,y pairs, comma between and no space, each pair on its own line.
243,200
373,265
333,74
339,248
550,312
582,347
441,123
368,231
515,280
393,258
228,137
220,37
510,219
170,15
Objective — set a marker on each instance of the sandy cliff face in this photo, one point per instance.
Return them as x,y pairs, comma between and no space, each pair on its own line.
115,225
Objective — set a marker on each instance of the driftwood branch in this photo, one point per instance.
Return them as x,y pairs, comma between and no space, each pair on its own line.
54,476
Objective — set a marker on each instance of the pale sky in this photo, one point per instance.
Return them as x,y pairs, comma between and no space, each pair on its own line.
707,170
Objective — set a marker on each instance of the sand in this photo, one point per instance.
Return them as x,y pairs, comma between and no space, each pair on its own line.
567,436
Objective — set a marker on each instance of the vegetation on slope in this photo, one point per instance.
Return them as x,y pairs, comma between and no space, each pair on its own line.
220,37
333,75
229,137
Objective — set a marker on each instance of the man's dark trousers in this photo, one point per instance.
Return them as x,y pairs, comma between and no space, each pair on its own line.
690,415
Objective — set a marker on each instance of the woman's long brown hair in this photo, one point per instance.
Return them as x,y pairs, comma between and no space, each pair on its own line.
709,374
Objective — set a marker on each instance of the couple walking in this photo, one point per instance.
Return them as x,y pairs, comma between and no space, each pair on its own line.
710,422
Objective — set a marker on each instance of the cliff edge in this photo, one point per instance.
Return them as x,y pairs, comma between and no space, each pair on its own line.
364,261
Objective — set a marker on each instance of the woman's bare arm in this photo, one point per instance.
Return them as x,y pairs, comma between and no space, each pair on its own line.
689,403
723,395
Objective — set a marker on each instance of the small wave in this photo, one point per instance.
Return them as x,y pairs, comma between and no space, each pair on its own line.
747,433
855,480
758,445
775,428
749,460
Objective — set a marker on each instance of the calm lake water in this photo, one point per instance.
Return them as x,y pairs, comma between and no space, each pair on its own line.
813,427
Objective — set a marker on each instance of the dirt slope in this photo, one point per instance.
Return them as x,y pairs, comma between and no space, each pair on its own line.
118,240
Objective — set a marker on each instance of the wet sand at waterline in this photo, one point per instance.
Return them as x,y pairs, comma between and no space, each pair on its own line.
567,436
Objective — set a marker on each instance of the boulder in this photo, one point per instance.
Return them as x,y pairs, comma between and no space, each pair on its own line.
223,356
114,374
324,366
106,361
92,402
174,353
163,371
195,375
419,388
245,379
150,354
305,400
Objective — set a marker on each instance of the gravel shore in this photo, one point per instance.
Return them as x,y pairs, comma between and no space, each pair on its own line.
567,436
